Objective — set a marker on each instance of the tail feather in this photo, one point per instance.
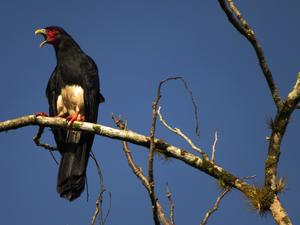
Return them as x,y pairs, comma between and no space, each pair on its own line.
72,170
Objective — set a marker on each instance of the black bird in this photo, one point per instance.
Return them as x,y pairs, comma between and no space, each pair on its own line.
73,92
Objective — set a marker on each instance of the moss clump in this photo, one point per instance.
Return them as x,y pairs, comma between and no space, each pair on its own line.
261,199
76,126
97,128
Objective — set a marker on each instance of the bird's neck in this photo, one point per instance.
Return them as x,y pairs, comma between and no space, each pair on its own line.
66,50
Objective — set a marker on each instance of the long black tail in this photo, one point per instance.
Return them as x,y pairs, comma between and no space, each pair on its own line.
72,169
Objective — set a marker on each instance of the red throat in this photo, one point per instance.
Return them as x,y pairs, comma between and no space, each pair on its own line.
52,35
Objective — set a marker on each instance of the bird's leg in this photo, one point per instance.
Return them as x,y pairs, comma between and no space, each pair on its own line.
41,114
72,118
75,117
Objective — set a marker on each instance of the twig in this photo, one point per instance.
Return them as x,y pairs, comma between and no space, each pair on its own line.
97,210
99,201
152,143
214,147
139,173
36,140
169,196
150,159
215,206
237,20
179,132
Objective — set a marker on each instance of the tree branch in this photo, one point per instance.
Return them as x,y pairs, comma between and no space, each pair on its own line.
161,146
237,20
215,207
279,126
205,165
169,196
279,213
179,133
159,212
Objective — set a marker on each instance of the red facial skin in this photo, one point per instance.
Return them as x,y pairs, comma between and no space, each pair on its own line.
51,35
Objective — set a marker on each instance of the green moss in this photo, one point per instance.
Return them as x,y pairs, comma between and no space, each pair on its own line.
97,129
261,199
76,126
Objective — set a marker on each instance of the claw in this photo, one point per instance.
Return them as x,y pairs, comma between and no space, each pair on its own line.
75,117
41,114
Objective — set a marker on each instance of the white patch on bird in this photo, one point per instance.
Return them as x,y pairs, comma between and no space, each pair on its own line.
70,101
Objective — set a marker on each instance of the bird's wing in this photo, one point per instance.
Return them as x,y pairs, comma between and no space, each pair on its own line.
52,92
92,96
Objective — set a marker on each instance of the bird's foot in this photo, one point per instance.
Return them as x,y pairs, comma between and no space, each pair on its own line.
75,117
41,114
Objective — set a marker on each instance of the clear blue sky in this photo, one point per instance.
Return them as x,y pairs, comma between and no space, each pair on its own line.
136,44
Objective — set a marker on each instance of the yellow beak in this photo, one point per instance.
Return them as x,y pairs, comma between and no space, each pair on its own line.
44,33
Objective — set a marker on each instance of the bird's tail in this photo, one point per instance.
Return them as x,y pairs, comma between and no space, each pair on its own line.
72,170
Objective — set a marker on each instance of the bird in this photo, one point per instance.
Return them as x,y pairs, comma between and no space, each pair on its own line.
73,92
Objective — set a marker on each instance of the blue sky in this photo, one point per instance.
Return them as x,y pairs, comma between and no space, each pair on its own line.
135,45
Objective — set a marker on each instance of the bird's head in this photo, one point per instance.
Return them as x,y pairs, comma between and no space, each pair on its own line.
52,34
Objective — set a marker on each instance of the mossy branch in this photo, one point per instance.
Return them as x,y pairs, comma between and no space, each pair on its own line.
203,164
200,163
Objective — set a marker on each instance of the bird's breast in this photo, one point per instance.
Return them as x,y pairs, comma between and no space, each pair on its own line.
70,100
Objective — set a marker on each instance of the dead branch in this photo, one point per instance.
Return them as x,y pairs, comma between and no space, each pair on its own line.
215,207
213,150
207,166
237,20
47,146
169,196
179,133
150,158
160,215
97,210
99,202
161,146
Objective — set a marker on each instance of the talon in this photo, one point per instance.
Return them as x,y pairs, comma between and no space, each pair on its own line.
75,117
41,114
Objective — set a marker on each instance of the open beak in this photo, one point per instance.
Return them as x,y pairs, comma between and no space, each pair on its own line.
44,33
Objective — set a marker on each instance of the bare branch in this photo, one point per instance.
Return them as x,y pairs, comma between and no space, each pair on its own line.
150,158
36,140
237,20
169,196
161,146
214,147
139,173
99,201
215,207
279,213
97,210
180,133
279,126
152,137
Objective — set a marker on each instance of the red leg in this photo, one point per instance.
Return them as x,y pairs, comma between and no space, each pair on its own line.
75,117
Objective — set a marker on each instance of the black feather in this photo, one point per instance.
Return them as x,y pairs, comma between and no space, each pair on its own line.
73,67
